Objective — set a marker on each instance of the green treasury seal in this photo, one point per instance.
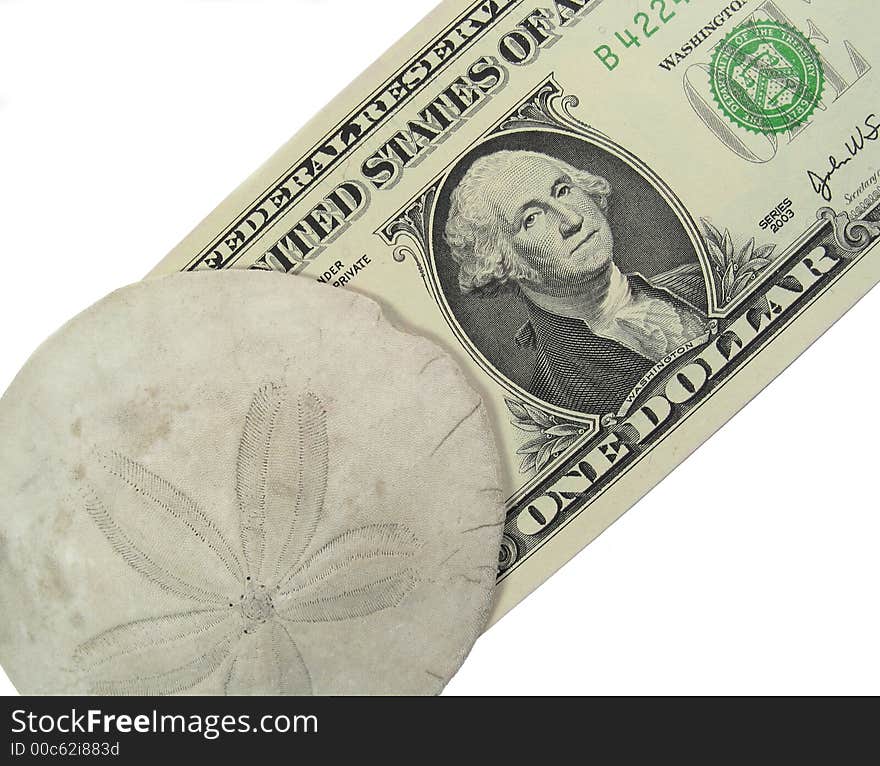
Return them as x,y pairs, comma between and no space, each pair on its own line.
766,77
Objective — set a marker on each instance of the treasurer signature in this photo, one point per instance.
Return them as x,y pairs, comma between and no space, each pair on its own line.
854,145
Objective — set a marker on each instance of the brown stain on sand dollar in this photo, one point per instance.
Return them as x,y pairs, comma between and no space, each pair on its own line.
150,420
149,416
64,517
52,583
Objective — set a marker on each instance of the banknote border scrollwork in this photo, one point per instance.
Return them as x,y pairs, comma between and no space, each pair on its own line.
547,106
853,236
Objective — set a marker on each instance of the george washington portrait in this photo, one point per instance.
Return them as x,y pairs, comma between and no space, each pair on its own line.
602,298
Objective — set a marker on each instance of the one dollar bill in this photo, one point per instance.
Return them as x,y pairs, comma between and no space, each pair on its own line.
624,219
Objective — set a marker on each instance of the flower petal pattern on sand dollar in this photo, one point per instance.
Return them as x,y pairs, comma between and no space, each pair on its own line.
245,626
259,440
132,637
267,662
176,504
359,556
138,559
313,456
173,681
331,606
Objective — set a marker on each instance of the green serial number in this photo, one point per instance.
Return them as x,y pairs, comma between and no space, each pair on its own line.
649,22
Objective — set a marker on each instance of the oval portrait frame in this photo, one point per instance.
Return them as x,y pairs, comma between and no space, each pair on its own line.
596,141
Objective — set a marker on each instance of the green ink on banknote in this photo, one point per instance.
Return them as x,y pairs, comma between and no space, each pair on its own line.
767,77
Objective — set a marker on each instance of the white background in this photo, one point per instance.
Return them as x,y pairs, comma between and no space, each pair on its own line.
752,569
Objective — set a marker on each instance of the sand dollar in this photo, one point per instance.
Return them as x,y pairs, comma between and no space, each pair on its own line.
242,483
